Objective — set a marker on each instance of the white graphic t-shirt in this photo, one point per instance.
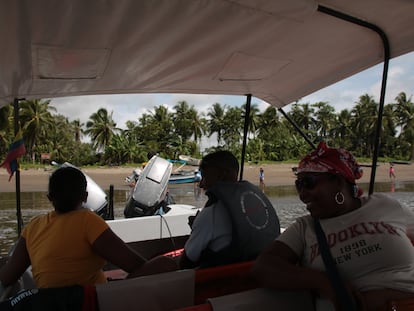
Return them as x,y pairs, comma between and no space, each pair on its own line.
369,245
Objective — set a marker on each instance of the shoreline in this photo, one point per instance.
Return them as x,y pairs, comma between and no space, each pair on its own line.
36,180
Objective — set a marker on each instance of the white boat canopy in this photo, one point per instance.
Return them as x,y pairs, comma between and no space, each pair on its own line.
278,51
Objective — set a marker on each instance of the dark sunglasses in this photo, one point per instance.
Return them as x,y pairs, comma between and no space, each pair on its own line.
308,181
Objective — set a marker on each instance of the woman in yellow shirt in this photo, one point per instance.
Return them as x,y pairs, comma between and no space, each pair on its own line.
70,245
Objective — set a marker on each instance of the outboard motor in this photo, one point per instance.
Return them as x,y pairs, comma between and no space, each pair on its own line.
150,192
133,177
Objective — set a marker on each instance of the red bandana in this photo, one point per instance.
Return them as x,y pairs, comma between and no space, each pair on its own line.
331,160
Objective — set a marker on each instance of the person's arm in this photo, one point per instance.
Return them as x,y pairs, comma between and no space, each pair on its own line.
201,234
277,267
159,264
186,263
111,247
16,265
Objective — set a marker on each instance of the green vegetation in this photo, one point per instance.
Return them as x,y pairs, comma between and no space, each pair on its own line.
171,133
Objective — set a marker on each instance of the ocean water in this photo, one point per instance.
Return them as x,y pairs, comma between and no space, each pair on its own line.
284,199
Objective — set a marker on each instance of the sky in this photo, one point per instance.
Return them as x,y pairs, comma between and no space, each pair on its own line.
341,95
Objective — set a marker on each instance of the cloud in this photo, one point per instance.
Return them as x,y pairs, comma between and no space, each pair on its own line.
123,107
131,107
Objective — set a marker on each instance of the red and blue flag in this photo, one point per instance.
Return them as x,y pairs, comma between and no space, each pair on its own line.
16,150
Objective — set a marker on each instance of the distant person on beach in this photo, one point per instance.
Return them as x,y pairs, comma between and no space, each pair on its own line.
392,171
197,189
237,222
70,245
261,179
368,240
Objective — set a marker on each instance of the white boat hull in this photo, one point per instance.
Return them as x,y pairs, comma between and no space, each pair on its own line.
156,235
174,223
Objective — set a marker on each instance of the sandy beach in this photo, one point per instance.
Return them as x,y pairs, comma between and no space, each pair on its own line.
33,180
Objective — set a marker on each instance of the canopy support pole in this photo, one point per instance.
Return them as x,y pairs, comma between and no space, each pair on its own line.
17,173
245,132
386,46
297,128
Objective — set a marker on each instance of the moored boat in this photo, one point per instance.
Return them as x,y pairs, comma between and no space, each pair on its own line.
189,160
180,176
183,177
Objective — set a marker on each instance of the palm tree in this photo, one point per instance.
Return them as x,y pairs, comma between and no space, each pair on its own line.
197,124
342,129
101,127
268,119
36,120
215,122
5,113
302,114
120,151
59,142
131,132
159,129
253,121
146,132
389,143
233,126
182,120
325,118
267,129
405,115
77,129
5,128
365,120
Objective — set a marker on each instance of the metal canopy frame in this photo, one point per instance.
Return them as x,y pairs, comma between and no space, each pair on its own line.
386,46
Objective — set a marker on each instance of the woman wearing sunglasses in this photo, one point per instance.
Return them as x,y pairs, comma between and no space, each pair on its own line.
366,236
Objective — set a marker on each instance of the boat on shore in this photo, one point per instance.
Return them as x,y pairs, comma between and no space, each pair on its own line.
179,177
277,51
185,177
190,160
400,162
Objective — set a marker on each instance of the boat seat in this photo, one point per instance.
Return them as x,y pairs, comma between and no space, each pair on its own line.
258,299
174,290
264,300
223,280
158,292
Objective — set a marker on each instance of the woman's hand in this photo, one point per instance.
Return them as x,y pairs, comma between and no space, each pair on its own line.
159,264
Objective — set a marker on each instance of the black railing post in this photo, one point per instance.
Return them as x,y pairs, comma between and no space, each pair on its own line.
17,173
111,203
245,133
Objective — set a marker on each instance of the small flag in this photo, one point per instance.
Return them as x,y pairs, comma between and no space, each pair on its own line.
16,150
